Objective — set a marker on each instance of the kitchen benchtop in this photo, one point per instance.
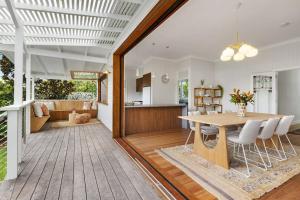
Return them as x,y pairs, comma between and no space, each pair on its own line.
156,105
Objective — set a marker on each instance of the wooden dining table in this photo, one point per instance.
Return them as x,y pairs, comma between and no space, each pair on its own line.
219,153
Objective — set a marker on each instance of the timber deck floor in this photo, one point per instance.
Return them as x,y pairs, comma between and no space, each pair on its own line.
82,163
146,143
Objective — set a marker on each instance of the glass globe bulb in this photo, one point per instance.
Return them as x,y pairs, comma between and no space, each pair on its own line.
228,52
252,52
244,49
225,58
238,56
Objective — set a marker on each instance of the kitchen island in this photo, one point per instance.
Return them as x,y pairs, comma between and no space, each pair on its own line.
153,118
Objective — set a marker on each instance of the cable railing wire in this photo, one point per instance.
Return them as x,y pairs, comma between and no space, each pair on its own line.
3,145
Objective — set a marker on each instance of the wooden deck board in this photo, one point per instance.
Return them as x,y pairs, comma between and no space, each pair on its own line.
124,181
77,163
29,166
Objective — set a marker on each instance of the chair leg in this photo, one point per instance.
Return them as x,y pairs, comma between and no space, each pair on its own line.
261,157
285,157
248,171
206,136
187,140
276,149
233,149
269,161
295,153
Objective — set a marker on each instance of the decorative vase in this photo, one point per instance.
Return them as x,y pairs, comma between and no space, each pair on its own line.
242,110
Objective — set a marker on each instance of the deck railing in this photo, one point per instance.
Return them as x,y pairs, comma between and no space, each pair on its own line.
15,127
3,145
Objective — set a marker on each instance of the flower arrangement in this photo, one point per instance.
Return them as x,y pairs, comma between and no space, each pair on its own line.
238,97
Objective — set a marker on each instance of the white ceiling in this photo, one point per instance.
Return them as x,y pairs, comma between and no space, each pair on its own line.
203,28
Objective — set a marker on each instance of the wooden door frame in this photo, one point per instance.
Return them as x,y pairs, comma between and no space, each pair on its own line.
160,12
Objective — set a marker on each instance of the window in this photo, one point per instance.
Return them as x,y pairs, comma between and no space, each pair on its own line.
183,91
102,89
85,75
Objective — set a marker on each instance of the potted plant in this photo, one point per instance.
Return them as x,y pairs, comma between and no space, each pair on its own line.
202,83
221,89
241,99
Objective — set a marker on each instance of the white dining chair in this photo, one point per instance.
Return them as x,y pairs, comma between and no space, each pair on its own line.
192,126
208,130
282,130
205,130
266,133
247,136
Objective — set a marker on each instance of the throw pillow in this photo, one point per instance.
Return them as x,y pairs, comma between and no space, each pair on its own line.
94,105
45,110
50,105
86,105
37,110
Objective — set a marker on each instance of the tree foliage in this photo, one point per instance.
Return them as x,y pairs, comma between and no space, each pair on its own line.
6,93
53,89
7,82
7,69
85,86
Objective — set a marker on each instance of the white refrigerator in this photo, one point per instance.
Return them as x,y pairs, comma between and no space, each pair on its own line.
147,95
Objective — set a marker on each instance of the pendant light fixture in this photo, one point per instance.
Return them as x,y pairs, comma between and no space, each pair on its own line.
239,50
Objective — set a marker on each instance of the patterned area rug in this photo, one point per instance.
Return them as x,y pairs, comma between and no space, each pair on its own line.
229,184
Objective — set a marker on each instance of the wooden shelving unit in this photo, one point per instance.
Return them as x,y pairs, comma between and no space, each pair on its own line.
208,99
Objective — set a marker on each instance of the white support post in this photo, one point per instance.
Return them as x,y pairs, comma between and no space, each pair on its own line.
18,86
12,145
32,88
14,114
28,91
18,80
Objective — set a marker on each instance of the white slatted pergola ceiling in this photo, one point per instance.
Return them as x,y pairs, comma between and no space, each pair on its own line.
54,30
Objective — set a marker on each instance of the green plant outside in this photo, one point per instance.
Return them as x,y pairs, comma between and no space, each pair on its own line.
85,86
2,163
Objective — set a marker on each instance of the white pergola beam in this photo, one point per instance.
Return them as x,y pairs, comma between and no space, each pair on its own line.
50,76
71,56
70,26
135,1
82,27
55,54
50,43
12,11
32,7
61,36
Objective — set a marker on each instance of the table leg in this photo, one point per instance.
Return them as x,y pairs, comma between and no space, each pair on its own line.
218,154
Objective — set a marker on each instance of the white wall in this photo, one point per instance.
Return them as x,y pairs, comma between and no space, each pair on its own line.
130,84
161,93
105,111
199,70
192,68
238,74
289,93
